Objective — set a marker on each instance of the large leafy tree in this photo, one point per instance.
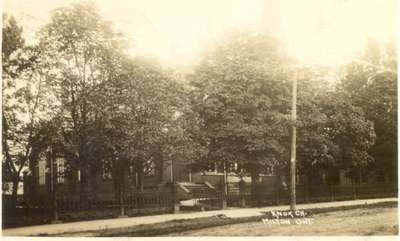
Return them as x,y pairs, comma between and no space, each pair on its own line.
83,53
316,149
142,110
26,103
352,132
333,133
240,95
370,83
116,112
183,139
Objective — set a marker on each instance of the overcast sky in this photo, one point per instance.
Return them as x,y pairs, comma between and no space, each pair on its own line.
177,31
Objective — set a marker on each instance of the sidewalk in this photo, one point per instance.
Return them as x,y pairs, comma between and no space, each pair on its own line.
53,229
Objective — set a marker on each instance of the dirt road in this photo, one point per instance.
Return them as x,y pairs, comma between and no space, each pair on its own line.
377,221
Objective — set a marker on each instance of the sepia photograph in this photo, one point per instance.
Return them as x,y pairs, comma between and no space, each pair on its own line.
199,118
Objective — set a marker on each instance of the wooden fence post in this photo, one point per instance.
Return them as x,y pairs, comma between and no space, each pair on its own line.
223,200
242,192
122,207
306,193
175,201
354,191
278,195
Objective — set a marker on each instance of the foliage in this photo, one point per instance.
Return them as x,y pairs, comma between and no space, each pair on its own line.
370,83
240,95
333,133
79,93
146,117
26,104
82,53
316,149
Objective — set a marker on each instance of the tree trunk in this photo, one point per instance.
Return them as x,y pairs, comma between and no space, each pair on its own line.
14,195
307,187
226,192
83,182
159,166
140,176
116,181
254,184
119,178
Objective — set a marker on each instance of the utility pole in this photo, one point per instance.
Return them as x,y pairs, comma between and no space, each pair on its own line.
225,180
225,194
293,145
190,172
172,169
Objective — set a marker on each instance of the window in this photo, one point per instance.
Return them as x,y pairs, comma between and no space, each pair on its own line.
217,167
211,167
131,172
232,167
79,175
106,171
60,162
268,170
149,168
42,172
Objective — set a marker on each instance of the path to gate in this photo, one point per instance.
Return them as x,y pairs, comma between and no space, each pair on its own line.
54,229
